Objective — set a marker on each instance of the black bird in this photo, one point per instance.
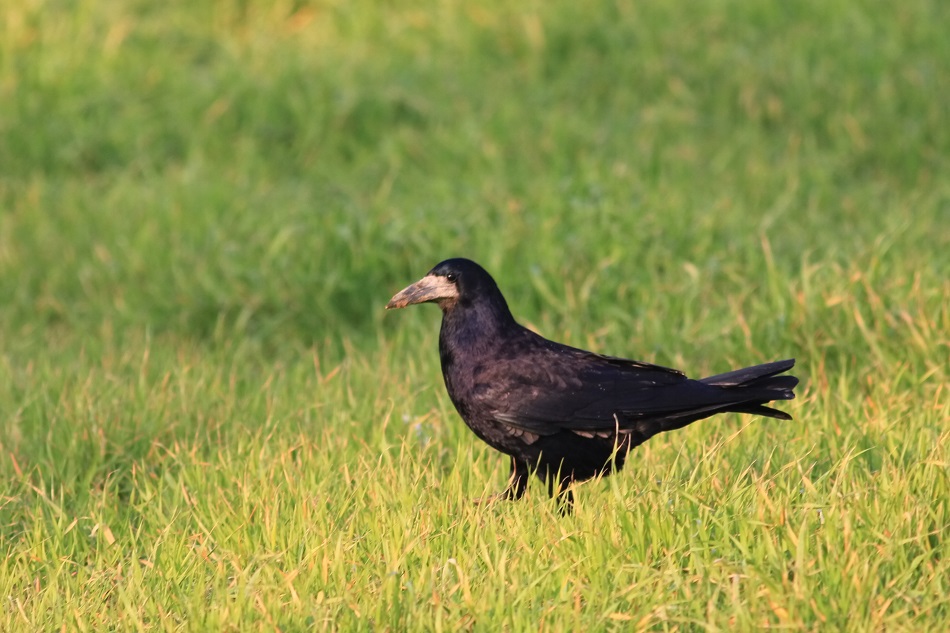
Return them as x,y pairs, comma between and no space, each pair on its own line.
563,412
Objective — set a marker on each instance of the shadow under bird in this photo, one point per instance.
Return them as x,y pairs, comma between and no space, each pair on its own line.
566,413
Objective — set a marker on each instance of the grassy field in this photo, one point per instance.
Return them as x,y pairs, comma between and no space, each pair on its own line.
208,422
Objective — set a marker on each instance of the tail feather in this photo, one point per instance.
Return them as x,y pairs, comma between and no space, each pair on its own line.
758,385
761,409
747,375
745,390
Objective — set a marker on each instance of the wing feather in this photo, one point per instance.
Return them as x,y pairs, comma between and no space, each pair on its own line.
566,389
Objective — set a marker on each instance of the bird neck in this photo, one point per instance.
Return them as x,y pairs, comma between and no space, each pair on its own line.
477,324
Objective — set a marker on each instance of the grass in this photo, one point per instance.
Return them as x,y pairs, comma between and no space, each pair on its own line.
207,421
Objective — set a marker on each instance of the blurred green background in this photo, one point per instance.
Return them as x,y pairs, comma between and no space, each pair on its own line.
276,170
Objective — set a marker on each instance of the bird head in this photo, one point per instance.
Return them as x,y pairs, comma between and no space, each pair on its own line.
447,284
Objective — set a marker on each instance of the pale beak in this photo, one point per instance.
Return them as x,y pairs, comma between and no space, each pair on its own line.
429,288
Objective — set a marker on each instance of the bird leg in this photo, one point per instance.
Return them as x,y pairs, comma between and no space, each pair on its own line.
518,481
517,484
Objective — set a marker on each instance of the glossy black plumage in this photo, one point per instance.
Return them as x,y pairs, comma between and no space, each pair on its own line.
567,413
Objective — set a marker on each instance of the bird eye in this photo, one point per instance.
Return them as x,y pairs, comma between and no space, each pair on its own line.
450,276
